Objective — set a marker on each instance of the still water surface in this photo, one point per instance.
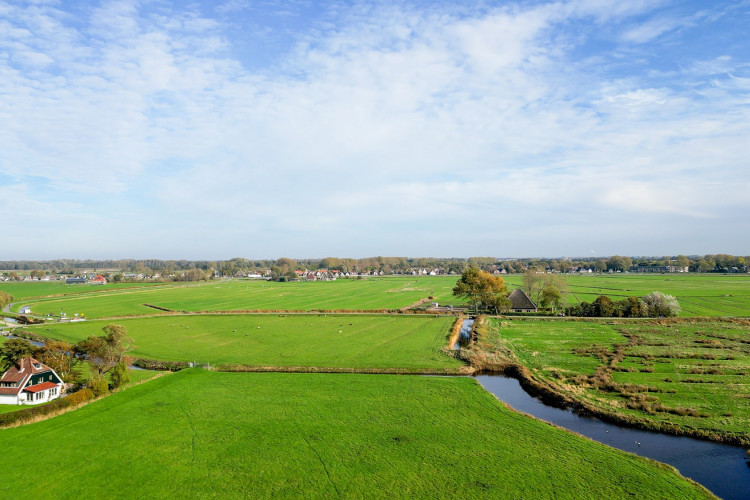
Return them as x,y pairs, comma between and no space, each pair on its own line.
721,468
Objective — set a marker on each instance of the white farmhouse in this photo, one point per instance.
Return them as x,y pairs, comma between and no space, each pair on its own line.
29,382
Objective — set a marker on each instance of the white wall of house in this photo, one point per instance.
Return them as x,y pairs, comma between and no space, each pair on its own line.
44,396
6,399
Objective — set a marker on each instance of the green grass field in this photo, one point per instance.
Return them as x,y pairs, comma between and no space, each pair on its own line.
692,375
235,435
698,294
34,289
411,343
366,294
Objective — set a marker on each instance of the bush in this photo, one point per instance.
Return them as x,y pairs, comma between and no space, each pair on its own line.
149,364
98,385
659,305
120,375
31,414
79,397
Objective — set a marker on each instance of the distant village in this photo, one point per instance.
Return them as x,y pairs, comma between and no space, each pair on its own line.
330,268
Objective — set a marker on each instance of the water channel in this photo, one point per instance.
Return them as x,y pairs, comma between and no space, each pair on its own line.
464,335
721,468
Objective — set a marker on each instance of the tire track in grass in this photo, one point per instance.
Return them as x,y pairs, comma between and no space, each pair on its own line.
316,453
192,441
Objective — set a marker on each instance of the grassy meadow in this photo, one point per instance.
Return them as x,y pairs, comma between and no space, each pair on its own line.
691,375
347,294
237,435
35,289
698,294
409,343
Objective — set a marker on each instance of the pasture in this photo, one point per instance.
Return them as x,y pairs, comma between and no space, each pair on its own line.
698,294
692,375
232,295
206,434
371,342
35,289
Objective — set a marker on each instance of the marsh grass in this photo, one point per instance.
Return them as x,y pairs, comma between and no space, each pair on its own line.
641,373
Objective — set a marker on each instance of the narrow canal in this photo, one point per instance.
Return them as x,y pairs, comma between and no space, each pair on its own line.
464,335
721,468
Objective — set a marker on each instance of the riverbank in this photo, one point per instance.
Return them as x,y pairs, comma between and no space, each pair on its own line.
594,372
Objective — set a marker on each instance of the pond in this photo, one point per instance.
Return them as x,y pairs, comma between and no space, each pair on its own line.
723,469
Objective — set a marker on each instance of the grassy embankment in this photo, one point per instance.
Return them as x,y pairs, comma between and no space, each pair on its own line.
198,433
409,344
234,295
676,376
698,294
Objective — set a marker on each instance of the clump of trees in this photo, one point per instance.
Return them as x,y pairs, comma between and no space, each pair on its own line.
545,289
653,305
5,299
482,290
657,304
284,270
191,275
12,351
106,354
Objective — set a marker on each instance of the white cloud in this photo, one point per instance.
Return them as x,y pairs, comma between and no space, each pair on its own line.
394,115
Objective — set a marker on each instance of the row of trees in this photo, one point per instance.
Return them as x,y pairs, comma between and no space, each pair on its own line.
105,353
653,305
386,265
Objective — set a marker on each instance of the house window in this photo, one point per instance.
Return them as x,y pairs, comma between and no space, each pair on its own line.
53,391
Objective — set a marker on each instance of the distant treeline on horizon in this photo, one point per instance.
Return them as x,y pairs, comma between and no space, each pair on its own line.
392,265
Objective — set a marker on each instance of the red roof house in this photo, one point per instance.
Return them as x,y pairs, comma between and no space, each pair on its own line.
29,382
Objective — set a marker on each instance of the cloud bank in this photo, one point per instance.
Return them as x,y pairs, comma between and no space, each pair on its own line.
136,129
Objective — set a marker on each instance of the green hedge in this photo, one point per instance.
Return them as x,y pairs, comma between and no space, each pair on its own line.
30,414
150,364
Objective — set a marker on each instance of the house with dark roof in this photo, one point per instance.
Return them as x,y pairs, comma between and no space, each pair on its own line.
29,382
520,302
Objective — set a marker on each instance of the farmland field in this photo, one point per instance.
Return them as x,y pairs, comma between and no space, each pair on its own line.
673,373
34,289
411,343
698,294
199,433
367,294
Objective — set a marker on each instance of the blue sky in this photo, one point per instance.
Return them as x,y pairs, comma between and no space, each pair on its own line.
156,129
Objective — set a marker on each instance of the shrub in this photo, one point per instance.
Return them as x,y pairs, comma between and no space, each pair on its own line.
53,407
120,375
98,385
79,397
659,304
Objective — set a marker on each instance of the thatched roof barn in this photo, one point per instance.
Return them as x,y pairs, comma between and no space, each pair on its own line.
520,302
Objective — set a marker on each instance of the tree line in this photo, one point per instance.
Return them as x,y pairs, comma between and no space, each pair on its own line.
653,305
385,265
